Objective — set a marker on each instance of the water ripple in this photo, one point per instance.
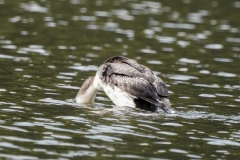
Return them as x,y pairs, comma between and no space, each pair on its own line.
13,128
207,85
102,14
165,39
46,47
207,95
148,51
33,7
223,60
23,157
104,138
186,60
213,46
87,18
225,74
179,25
9,46
230,39
221,142
182,77
85,68
208,116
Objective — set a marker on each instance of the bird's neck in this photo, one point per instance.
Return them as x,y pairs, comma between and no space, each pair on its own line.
87,93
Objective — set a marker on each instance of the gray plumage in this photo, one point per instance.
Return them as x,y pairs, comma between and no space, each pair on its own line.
147,90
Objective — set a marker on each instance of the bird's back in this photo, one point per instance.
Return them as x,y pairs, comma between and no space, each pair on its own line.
137,81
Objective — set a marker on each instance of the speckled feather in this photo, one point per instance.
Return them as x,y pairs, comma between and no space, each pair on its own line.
135,79
123,66
126,83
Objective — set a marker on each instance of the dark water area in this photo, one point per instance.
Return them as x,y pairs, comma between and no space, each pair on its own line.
48,48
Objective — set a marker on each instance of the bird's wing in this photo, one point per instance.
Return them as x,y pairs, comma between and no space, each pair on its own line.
129,67
129,80
135,86
122,69
138,87
130,62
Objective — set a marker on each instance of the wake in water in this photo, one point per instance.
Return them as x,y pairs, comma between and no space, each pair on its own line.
209,116
99,108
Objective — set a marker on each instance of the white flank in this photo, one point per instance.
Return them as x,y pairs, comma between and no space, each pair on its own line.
118,96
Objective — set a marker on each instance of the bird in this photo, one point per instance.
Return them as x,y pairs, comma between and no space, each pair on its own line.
127,84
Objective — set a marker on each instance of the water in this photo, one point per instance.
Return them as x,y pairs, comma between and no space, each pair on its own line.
48,48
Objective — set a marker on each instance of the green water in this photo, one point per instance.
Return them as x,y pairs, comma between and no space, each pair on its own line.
48,48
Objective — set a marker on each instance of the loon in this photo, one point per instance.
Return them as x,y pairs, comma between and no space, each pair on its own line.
127,84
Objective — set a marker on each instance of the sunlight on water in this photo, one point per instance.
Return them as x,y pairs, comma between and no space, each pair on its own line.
99,109
48,49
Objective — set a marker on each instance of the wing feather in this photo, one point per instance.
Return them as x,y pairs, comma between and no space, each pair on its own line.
129,80
135,79
129,67
135,86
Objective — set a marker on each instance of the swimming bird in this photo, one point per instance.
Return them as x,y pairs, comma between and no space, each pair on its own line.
128,84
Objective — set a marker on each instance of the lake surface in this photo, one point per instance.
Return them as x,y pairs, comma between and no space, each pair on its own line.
48,48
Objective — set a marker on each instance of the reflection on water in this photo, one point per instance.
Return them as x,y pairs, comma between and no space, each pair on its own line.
48,49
